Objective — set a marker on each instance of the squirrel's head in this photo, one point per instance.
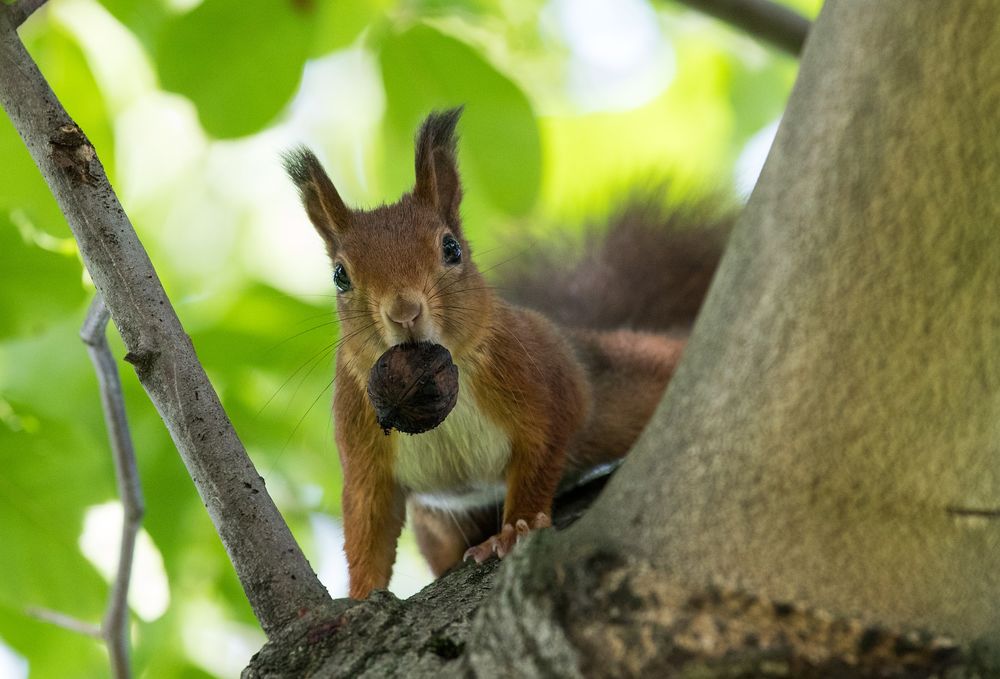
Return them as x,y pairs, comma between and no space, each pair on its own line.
403,272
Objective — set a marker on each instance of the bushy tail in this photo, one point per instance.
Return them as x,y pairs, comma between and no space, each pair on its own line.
647,270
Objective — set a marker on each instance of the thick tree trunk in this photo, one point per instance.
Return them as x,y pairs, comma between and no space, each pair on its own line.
832,435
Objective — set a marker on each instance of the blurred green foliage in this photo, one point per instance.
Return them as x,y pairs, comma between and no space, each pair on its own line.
424,70
188,103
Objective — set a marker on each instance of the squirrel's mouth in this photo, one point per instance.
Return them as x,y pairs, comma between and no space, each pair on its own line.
413,335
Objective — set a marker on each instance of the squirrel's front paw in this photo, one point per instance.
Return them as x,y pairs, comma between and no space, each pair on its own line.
503,542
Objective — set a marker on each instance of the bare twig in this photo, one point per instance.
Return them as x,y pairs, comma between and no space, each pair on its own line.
67,622
277,579
764,19
114,629
20,11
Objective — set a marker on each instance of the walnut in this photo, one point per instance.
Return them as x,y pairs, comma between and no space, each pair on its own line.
413,387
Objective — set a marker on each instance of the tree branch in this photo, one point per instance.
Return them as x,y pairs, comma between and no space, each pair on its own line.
67,622
275,575
763,19
114,629
541,614
20,11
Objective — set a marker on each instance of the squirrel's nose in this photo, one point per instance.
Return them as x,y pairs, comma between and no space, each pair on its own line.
404,312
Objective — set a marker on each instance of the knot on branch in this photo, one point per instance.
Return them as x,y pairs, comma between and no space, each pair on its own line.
142,360
73,152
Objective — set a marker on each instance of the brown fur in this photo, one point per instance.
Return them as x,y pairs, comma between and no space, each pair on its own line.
649,269
444,536
373,504
565,399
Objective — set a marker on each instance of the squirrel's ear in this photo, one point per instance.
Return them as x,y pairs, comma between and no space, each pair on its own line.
438,183
322,202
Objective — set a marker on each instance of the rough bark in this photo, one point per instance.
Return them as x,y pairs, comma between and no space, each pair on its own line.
384,637
272,569
600,614
831,435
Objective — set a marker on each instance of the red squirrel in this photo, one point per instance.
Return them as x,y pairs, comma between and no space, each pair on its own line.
538,402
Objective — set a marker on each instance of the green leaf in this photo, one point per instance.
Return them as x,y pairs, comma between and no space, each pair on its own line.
271,359
145,18
339,23
41,510
52,651
238,61
38,286
466,8
758,95
423,69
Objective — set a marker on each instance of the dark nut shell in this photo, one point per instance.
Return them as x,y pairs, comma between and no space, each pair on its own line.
413,387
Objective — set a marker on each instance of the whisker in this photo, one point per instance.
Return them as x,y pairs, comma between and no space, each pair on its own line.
527,354
466,276
463,323
325,314
328,386
456,292
458,525
486,270
328,348
503,371
298,334
305,376
461,308
456,318
436,282
519,253
292,376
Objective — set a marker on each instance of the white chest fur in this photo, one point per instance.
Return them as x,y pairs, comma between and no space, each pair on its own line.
465,455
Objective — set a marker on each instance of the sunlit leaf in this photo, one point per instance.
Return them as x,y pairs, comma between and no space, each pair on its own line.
37,285
145,18
238,61
52,651
424,70
41,510
758,95
338,24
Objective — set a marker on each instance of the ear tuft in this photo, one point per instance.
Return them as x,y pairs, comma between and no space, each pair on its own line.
438,132
438,183
326,210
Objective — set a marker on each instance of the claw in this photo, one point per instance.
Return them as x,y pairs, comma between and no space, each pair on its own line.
504,542
523,529
481,552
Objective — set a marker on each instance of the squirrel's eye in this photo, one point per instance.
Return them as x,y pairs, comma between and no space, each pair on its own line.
340,278
452,250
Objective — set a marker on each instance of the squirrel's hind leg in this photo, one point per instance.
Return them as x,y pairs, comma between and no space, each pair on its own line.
443,535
